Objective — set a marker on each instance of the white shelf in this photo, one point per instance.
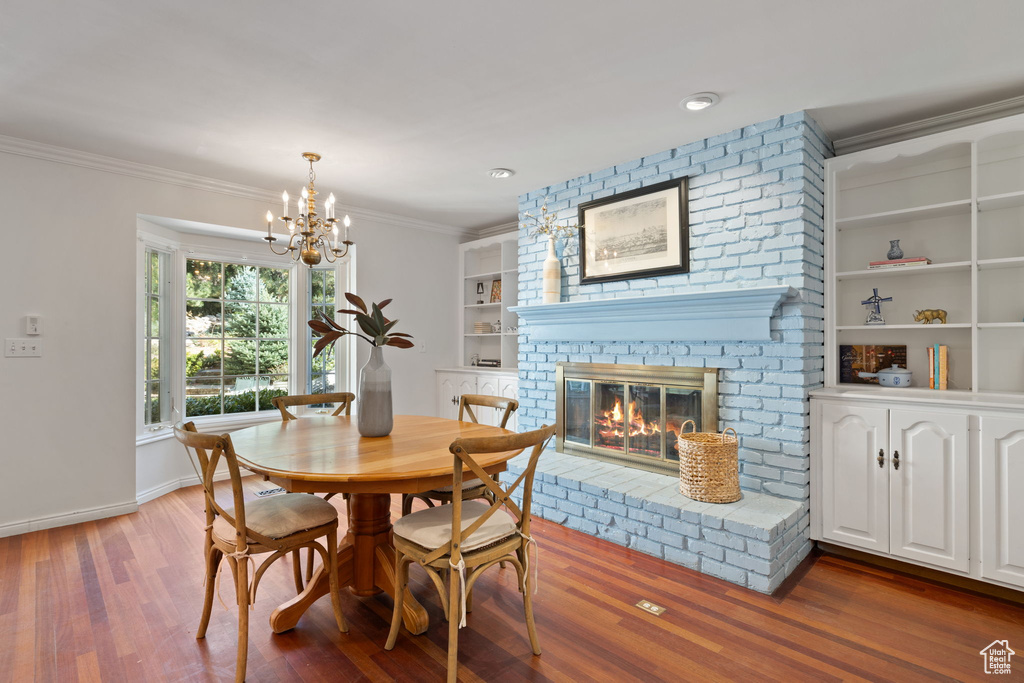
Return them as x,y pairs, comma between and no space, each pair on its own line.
905,270
917,213
496,303
1001,201
966,188
484,276
915,326
482,334
993,263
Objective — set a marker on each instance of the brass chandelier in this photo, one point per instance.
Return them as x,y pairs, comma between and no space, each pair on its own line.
310,238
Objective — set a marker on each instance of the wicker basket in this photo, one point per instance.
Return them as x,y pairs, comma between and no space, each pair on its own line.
708,465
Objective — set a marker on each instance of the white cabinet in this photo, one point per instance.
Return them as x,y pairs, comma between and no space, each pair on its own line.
1002,504
896,482
928,487
854,479
453,383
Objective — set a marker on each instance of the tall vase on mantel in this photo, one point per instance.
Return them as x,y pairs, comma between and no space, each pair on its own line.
374,412
552,281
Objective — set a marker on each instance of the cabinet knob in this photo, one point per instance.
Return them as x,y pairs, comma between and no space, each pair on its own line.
455,400
895,460
881,458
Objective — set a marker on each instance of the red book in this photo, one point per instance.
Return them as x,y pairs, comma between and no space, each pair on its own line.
899,260
931,367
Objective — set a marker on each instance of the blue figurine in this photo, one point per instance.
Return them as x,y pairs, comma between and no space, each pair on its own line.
875,315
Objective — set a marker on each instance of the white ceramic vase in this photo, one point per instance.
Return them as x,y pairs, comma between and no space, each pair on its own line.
552,283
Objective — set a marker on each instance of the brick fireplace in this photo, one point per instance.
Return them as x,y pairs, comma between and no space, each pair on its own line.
755,216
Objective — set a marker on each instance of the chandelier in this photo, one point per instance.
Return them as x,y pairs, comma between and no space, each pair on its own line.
310,237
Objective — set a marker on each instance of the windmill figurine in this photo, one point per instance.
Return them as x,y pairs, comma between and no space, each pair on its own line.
875,314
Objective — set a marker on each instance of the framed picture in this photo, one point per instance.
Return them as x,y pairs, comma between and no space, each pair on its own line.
640,233
855,359
495,291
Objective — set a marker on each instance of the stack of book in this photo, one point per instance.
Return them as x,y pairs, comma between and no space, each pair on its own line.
489,363
938,367
899,263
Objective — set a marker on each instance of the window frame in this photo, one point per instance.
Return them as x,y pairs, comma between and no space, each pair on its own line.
173,357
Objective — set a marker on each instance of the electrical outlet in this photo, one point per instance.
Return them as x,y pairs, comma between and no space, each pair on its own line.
23,348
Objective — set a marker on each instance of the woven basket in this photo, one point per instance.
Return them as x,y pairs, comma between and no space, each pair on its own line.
708,465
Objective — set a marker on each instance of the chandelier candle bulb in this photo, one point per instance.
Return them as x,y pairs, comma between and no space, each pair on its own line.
270,221
284,197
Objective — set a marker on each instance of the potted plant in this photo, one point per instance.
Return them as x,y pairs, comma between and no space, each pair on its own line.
374,407
545,225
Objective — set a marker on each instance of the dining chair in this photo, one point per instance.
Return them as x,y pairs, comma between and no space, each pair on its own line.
278,525
344,398
467,537
282,403
472,488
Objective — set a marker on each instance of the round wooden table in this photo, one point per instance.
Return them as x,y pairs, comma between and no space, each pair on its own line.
324,454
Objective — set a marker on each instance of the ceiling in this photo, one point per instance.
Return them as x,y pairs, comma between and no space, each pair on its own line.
411,102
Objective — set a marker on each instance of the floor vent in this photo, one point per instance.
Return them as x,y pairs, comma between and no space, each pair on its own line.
270,492
647,606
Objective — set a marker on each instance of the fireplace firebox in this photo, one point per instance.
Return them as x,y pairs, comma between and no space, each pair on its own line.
631,414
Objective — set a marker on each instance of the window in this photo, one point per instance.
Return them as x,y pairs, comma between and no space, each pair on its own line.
322,369
236,337
156,388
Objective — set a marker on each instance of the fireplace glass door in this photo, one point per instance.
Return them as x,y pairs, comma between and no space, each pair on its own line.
630,419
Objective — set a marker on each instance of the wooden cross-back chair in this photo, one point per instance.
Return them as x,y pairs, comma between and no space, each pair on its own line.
282,403
471,488
279,525
344,398
435,538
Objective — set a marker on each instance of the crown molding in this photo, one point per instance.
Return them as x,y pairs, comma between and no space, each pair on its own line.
934,124
99,162
502,229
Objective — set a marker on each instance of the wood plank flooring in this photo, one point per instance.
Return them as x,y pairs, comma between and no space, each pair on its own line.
119,600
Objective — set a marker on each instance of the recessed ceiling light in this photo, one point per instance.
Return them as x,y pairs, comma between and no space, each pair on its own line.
501,173
701,100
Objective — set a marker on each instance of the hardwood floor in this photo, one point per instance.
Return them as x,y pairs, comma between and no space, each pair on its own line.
119,600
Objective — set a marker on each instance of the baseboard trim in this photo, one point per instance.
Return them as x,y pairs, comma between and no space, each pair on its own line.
175,484
64,519
934,575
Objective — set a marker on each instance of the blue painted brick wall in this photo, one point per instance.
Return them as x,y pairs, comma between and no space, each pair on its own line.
756,199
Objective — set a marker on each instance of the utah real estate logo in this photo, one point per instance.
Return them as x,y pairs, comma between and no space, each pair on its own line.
997,657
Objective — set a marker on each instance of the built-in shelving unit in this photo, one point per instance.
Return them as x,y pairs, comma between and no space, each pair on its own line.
956,198
492,264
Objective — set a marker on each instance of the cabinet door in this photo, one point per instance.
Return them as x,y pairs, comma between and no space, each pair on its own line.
448,394
487,385
1002,505
928,487
854,495
509,388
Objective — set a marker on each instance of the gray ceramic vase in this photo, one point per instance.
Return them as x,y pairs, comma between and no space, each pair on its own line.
374,402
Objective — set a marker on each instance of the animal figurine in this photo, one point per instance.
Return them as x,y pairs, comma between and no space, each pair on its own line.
928,315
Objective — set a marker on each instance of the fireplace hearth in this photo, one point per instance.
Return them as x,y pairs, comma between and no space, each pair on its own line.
631,414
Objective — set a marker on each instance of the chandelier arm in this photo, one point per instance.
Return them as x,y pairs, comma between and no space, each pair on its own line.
271,240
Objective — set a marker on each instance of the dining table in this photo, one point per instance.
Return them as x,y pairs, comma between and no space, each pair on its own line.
326,454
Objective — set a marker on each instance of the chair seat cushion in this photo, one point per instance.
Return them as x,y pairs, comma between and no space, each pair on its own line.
467,485
279,516
432,528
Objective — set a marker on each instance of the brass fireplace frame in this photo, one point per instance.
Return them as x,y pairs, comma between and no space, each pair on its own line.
705,379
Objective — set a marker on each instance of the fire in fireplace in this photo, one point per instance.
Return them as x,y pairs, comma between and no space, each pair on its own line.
631,413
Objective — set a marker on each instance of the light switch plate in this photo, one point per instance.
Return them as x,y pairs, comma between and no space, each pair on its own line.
23,348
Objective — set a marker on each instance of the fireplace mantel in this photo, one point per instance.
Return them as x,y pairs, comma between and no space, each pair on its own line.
742,314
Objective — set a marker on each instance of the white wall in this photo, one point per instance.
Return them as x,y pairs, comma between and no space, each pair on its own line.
68,426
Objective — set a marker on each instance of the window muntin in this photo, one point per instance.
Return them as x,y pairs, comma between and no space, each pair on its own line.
236,337
155,385
322,370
